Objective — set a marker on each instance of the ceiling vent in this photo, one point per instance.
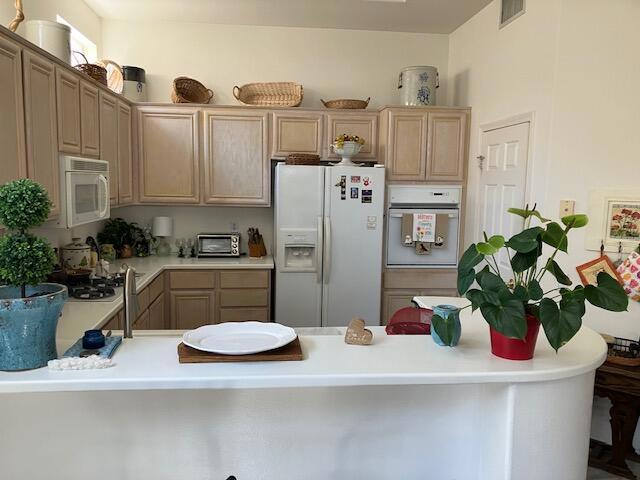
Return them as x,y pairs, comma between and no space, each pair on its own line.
511,9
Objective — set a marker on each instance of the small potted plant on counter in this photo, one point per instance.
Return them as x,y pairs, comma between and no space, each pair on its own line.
122,235
29,310
515,309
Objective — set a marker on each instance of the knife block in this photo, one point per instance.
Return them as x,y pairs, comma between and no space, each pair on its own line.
257,250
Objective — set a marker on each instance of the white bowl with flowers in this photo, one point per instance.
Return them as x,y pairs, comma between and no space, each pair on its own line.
347,146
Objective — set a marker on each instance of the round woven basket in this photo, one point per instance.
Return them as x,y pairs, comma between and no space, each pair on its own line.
188,90
303,159
96,72
278,94
347,103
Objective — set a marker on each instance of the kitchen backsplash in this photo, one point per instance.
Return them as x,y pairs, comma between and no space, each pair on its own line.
189,221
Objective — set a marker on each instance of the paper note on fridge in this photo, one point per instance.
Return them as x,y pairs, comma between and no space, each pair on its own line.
424,227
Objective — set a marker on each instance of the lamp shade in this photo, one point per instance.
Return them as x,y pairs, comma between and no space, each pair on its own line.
162,226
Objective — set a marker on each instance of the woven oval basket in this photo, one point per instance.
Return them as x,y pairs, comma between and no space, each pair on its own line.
97,72
188,90
303,159
347,103
280,94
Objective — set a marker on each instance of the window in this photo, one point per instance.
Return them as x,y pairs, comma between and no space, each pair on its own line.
511,9
80,43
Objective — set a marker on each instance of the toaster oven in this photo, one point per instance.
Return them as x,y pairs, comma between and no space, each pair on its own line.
218,245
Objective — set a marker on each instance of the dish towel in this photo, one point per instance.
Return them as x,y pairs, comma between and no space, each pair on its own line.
80,363
629,271
110,346
407,230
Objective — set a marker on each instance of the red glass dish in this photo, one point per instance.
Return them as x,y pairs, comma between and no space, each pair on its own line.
410,321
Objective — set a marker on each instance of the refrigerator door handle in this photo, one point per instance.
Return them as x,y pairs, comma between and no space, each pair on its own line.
319,249
327,249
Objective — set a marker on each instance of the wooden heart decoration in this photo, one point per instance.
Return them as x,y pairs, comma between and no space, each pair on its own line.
357,334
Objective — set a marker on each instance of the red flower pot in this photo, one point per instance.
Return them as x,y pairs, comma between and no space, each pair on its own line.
514,348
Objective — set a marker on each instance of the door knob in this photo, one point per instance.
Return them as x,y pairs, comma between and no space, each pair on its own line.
480,161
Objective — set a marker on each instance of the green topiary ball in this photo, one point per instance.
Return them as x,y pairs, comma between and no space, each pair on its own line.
23,204
25,259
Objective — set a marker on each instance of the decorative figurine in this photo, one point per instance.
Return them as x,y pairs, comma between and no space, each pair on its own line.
180,245
192,248
357,334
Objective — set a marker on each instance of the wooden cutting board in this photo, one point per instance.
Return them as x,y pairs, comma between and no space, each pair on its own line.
290,352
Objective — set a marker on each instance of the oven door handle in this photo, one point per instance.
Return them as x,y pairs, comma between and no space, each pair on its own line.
396,215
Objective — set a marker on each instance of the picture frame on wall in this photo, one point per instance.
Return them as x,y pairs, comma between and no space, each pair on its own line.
589,271
614,221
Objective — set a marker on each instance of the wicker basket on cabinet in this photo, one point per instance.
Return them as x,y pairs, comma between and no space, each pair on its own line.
347,103
188,90
97,72
303,159
273,94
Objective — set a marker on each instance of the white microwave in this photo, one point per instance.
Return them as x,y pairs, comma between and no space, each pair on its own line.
84,191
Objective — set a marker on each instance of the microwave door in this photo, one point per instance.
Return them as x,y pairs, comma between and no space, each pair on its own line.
86,200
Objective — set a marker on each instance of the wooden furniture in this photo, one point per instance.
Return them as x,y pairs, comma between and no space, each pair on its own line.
237,167
125,162
400,285
363,124
109,141
12,136
89,120
168,155
68,104
424,144
621,385
296,132
41,125
201,297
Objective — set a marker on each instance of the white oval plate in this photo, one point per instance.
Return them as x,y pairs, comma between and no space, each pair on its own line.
239,338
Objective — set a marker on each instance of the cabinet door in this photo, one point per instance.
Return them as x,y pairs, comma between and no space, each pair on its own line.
89,119
363,125
41,125
156,314
446,146
125,165
142,322
12,137
68,102
297,133
192,308
394,300
169,155
407,146
109,141
237,169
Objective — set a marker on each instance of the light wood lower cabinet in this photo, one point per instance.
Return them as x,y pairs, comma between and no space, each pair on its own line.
151,306
68,105
294,132
237,168
12,137
156,314
116,322
401,285
168,155
192,308
41,126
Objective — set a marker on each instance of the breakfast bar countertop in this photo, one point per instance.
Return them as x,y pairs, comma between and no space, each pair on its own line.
86,315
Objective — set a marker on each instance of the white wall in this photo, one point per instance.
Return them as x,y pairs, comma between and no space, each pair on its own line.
328,63
76,12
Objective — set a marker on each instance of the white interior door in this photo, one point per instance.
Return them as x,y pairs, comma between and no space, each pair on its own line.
503,166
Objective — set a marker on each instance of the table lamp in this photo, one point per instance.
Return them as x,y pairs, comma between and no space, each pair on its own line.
162,228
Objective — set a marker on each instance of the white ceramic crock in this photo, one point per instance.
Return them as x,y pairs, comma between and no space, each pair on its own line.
53,37
76,255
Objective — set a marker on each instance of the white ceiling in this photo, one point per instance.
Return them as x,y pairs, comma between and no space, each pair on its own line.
424,16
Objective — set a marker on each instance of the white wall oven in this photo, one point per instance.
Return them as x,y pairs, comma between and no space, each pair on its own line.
84,191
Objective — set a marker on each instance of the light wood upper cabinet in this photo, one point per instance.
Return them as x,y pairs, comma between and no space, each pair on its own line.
407,145
365,125
125,165
68,103
446,150
89,119
296,133
12,137
41,125
109,141
168,155
236,158
192,308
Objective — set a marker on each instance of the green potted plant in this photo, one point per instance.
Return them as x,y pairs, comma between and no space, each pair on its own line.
516,308
29,309
121,235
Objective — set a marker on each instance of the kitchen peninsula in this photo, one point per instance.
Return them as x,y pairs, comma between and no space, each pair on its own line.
391,410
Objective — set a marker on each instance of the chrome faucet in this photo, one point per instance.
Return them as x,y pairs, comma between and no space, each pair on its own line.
130,302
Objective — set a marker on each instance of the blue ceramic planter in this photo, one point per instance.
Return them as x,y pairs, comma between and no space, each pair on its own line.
28,325
447,311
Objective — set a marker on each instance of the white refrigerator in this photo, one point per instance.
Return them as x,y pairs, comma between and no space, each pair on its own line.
328,244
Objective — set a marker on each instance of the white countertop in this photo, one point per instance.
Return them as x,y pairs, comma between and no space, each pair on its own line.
86,315
151,363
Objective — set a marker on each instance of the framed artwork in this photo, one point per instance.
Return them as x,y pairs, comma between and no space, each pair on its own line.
614,220
589,271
